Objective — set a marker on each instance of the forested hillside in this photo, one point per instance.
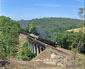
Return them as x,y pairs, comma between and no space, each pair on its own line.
24,23
56,30
52,24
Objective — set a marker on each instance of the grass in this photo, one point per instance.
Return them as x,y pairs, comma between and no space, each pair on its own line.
77,30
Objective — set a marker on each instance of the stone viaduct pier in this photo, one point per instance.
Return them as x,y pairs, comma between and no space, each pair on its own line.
35,47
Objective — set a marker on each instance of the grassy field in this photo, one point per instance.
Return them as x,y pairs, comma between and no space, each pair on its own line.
77,30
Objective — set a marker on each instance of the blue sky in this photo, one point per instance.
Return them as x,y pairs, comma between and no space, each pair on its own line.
29,9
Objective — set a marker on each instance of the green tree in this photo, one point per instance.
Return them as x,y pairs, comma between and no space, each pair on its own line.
82,12
33,29
81,43
25,54
8,36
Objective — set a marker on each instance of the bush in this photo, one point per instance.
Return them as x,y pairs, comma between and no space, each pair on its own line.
69,40
26,53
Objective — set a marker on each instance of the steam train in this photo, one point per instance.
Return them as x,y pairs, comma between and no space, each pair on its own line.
49,42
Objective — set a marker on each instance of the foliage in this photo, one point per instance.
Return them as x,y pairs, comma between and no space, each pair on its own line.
53,24
8,36
70,40
26,54
23,23
32,29
82,12
81,44
55,30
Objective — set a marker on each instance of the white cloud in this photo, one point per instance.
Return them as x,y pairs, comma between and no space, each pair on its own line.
47,5
80,0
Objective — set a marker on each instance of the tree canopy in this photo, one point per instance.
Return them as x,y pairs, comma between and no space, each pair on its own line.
8,36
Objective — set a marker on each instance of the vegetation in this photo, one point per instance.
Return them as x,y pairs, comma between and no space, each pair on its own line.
32,29
26,54
8,36
56,29
53,24
82,12
9,40
70,40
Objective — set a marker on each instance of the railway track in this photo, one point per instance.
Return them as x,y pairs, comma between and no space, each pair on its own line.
57,49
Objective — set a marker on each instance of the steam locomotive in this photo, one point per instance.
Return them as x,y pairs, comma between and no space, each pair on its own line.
49,42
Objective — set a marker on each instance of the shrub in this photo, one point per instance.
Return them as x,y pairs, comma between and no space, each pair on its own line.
26,53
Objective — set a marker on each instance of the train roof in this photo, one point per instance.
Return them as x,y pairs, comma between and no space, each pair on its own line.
33,35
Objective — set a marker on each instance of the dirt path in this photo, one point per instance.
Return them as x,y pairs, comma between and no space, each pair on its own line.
22,39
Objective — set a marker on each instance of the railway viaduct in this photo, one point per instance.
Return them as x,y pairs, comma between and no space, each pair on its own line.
37,46
34,45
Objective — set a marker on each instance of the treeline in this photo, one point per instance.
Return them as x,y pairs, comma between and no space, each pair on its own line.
53,24
69,40
8,36
9,41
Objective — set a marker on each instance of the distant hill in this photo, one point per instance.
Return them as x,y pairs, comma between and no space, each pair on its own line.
53,24
23,23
